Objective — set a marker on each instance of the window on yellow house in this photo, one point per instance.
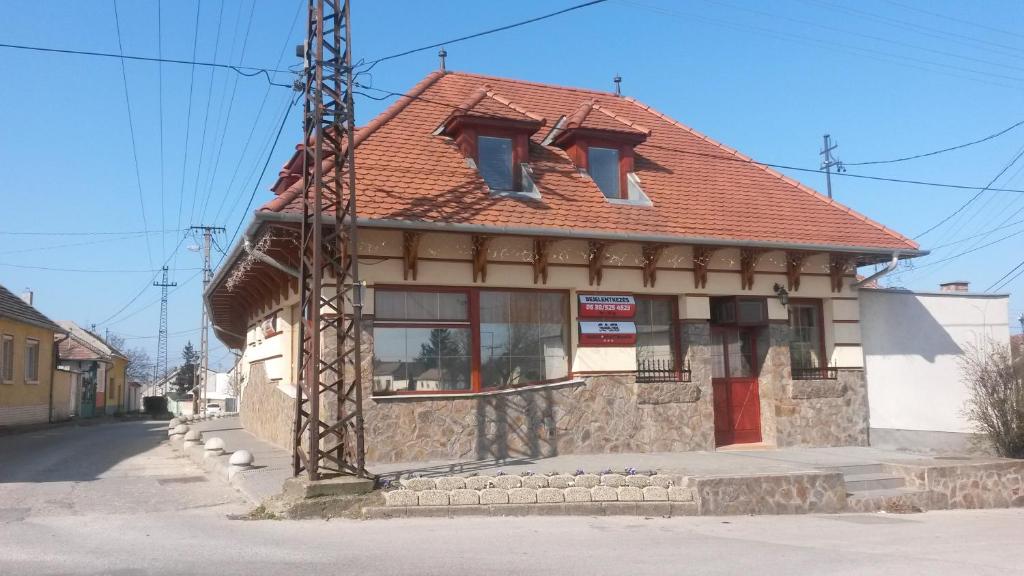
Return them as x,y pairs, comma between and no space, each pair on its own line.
31,360
7,358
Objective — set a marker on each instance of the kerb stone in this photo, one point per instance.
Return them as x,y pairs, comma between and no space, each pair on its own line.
577,494
401,498
464,497
450,483
604,494
433,497
479,482
550,495
507,482
638,481
522,496
587,480
655,494
493,496
419,483
630,494
535,482
680,494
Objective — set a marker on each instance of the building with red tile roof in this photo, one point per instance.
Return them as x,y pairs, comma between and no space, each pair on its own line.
568,247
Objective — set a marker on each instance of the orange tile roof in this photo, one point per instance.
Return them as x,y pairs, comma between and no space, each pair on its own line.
699,188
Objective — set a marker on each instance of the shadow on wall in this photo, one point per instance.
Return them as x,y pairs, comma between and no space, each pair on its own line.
516,426
899,324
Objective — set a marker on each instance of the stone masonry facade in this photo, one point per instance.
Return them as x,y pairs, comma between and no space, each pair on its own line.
607,413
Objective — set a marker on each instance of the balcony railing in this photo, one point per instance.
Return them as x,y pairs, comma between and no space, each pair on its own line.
652,370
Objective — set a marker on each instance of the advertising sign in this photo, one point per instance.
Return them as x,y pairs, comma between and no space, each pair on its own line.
607,306
611,333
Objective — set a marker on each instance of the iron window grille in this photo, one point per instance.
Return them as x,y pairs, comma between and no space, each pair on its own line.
653,370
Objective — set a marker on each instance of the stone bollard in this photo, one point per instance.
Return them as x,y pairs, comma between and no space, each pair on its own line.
213,447
174,422
240,460
178,431
193,438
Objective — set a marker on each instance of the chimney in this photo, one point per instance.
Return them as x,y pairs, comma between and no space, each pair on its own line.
28,296
954,286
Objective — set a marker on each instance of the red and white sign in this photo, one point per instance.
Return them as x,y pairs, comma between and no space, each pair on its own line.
607,306
607,333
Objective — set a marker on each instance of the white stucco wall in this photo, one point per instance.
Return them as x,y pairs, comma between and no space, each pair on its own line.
912,343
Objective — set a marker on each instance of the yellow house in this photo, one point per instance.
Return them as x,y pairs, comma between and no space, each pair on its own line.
27,363
103,383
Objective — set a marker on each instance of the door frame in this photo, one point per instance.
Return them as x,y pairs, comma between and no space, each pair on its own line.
722,389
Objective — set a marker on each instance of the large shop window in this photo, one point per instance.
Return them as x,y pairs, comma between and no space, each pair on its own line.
807,340
428,341
655,333
523,338
421,341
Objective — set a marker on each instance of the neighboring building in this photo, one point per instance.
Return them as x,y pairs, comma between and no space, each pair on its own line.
102,371
219,391
913,344
553,270
27,367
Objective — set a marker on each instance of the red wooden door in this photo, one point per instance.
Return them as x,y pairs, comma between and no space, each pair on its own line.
734,372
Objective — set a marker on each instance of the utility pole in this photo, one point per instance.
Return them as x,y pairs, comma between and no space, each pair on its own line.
328,398
161,340
200,385
828,162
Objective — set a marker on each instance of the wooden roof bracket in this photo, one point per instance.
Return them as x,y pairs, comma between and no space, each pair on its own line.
541,247
838,265
480,243
794,265
651,253
701,260
595,260
748,265
410,253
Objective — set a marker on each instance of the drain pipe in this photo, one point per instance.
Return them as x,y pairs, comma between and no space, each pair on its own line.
267,259
889,268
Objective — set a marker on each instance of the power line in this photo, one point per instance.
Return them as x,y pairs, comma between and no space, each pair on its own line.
259,114
730,158
160,98
206,117
131,130
986,233
89,270
91,233
993,286
247,71
954,19
976,196
944,150
67,245
373,63
188,120
273,146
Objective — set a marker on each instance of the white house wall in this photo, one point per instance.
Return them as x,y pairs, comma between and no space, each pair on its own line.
912,346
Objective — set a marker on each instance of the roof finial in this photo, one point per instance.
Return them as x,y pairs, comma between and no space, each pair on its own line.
618,85
442,54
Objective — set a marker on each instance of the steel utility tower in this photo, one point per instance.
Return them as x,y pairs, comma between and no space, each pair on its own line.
827,162
328,432
161,341
201,386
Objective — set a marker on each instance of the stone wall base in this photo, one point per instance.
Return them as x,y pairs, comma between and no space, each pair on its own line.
20,415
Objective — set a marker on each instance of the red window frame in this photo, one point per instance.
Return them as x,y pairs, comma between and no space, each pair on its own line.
581,156
473,323
468,142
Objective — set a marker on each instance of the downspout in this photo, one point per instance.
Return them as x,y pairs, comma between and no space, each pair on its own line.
53,373
889,268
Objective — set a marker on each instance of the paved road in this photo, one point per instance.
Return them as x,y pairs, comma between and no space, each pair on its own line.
111,499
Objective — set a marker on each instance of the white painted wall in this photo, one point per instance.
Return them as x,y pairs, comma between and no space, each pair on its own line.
912,344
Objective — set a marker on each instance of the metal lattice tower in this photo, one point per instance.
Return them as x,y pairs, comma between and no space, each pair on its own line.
161,341
328,433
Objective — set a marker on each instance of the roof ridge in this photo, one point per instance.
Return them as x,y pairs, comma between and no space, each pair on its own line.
505,101
533,83
781,176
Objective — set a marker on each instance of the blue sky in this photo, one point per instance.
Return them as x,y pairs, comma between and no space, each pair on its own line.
885,78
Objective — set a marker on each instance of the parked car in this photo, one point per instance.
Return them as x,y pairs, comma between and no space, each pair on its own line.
213,408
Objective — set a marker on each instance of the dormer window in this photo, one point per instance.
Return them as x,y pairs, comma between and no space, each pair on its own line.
601,144
494,136
495,162
603,167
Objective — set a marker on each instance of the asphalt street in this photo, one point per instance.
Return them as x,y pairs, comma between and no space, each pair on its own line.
114,499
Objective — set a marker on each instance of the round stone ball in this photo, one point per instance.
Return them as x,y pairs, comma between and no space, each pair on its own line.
193,436
174,422
214,444
241,458
181,429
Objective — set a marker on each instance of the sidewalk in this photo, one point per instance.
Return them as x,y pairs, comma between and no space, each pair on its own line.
271,465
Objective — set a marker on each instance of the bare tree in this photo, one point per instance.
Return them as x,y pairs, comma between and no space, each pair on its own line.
140,365
996,396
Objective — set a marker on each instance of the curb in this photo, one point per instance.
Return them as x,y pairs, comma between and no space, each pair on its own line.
217,466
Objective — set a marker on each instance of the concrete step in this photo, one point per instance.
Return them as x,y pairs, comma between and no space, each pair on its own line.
859,469
887,499
872,481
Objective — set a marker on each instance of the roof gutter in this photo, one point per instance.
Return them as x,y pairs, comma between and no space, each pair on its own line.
595,235
892,266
